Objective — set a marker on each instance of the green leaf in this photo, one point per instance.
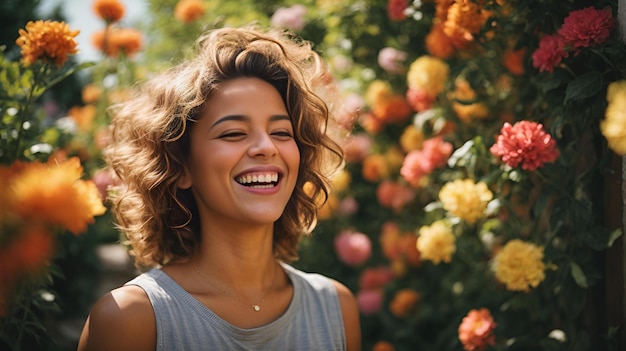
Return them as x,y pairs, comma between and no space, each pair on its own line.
578,275
588,84
614,236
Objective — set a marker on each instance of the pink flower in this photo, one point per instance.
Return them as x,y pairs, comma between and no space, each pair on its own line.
348,206
394,195
476,330
419,99
549,53
525,143
353,248
375,278
356,147
395,9
586,27
418,163
289,17
391,60
369,301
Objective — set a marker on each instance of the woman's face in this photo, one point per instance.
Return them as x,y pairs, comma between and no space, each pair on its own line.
243,162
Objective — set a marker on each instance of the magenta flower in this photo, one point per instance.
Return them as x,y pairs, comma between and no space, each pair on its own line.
586,27
353,248
525,143
549,53
369,301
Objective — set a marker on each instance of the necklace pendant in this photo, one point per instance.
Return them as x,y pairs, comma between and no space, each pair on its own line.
257,308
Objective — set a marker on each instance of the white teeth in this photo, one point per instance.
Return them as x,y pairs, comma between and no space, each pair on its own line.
259,178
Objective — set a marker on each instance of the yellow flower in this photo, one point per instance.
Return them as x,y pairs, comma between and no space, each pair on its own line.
49,41
436,243
613,126
411,138
463,93
54,194
465,199
341,180
519,265
428,74
378,92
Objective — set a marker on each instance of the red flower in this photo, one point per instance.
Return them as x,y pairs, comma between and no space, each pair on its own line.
395,9
476,330
586,27
525,143
549,53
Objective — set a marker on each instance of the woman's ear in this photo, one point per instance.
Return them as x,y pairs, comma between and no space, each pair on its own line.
184,182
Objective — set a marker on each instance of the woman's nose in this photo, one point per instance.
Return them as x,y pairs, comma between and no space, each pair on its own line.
262,145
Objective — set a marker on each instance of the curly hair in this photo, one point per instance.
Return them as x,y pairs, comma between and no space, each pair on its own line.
150,141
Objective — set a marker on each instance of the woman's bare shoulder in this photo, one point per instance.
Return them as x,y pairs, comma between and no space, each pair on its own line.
351,317
122,319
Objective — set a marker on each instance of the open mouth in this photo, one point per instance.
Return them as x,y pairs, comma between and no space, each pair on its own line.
259,180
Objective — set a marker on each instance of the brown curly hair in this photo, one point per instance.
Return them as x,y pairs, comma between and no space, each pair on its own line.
150,141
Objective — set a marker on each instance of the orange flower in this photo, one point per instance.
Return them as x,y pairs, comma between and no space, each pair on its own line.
63,199
438,43
83,116
467,111
383,346
403,302
49,41
392,110
513,60
476,330
91,93
109,10
464,20
188,10
375,168
113,41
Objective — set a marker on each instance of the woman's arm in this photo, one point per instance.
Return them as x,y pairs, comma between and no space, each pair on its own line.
351,319
121,320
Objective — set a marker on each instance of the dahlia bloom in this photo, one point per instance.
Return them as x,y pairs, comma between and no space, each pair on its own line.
549,53
525,143
391,60
49,41
292,18
613,127
429,74
436,243
63,199
403,302
353,248
418,163
188,11
586,27
109,10
519,265
465,199
476,330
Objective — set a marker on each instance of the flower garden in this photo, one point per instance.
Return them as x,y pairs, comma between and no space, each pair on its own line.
484,142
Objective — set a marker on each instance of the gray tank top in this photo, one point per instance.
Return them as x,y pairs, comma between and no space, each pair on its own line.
313,320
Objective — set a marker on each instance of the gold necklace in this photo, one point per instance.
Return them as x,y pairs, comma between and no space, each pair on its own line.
255,306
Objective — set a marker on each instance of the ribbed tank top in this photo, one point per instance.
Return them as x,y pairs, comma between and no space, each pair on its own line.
313,320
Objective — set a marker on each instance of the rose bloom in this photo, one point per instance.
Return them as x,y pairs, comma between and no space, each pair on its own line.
519,265
429,74
436,243
391,60
127,41
395,9
188,11
369,301
586,27
476,330
465,199
403,302
419,99
353,248
62,199
109,10
49,41
549,53
438,43
613,126
292,18
525,143
419,163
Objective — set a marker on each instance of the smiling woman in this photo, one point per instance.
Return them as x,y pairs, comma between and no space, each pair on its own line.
223,160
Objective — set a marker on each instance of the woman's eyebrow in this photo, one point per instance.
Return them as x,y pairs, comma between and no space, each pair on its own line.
243,118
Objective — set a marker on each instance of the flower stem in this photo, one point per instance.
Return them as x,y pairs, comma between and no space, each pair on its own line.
25,111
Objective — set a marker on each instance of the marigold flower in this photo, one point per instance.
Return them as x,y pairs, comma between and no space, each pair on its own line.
476,330
109,10
429,74
549,53
292,18
419,163
63,199
465,199
438,43
613,127
91,93
188,11
403,302
586,27
525,143
49,41
353,248
113,41
436,242
395,9
519,265
83,116
463,21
